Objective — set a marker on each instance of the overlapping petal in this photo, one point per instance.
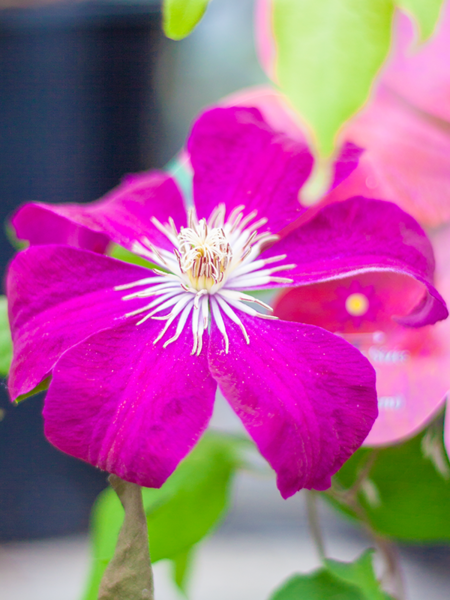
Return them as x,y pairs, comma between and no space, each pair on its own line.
406,159
58,296
305,396
123,216
412,380
362,235
128,406
412,365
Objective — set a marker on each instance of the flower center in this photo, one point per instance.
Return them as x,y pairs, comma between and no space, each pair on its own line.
212,262
204,255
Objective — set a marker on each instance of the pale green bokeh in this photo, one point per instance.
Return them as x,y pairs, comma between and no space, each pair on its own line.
181,16
328,53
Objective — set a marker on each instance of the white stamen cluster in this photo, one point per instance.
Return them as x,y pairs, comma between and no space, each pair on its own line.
212,262
204,253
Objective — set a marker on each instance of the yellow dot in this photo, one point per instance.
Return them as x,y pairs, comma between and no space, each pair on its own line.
357,305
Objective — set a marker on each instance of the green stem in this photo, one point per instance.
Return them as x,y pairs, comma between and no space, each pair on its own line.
314,525
129,574
393,575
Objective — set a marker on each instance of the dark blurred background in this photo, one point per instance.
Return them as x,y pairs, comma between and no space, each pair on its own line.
78,109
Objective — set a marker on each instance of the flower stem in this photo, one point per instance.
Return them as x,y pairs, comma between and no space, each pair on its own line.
129,574
392,577
313,521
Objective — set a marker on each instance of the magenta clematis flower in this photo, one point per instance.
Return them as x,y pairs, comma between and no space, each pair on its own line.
403,129
135,353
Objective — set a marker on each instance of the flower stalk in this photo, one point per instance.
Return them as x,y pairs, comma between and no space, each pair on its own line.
314,524
129,574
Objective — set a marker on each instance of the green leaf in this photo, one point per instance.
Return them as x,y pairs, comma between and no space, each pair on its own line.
181,16
193,499
10,233
125,255
41,387
179,514
321,585
336,581
328,53
406,493
5,338
425,12
182,568
359,573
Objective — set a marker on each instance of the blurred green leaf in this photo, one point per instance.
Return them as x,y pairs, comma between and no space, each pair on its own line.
10,233
359,573
328,53
426,13
107,518
193,499
406,493
182,569
181,16
5,338
179,514
321,585
336,581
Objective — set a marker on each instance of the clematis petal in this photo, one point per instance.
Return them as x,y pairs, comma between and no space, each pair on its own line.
57,296
441,243
358,236
420,74
382,295
305,396
412,365
407,158
128,406
412,369
122,216
238,160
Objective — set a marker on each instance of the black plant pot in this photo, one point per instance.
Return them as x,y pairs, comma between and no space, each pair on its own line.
77,111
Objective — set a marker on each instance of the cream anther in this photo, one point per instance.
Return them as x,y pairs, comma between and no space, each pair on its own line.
203,254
